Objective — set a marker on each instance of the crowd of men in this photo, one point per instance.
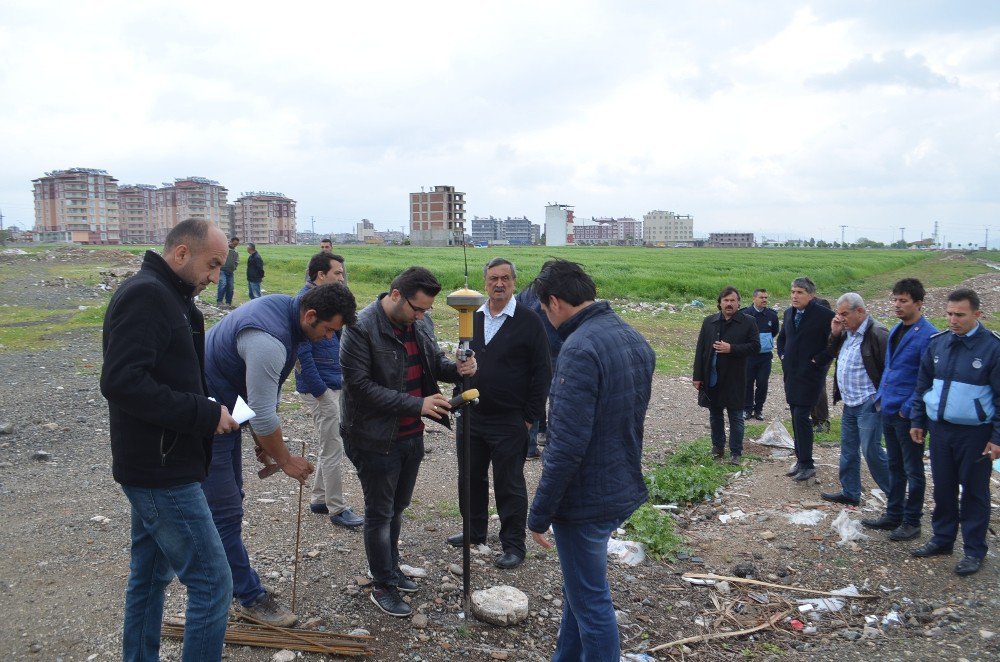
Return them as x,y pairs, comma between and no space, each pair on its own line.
553,355
897,385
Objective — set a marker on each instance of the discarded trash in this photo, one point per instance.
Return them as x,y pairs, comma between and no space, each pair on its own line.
797,624
848,591
626,551
871,619
849,530
737,514
761,597
638,657
879,496
820,604
892,619
776,435
700,582
806,517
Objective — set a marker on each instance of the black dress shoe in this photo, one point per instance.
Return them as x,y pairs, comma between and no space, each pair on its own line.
508,561
931,549
905,532
884,522
968,565
838,497
793,470
758,417
456,541
805,474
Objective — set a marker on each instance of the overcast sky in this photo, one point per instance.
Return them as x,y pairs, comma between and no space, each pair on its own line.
779,117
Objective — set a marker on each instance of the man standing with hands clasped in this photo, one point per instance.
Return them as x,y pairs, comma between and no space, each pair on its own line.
727,338
959,404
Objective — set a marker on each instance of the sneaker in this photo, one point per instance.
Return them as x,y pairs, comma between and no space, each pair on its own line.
387,599
758,416
736,459
347,519
718,453
404,583
267,610
319,509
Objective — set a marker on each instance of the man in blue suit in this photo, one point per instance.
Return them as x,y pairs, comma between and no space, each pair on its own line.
804,362
907,342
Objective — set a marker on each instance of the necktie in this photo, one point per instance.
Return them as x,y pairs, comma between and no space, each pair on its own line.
798,318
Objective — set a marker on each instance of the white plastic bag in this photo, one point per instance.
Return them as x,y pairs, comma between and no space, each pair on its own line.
848,529
806,517
626,551
776,435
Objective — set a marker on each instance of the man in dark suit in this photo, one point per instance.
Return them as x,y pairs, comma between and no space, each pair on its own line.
804,362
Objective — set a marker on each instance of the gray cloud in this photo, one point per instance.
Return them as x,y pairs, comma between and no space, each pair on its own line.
891,68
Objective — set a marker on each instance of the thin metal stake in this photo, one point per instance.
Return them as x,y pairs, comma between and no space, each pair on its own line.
298,533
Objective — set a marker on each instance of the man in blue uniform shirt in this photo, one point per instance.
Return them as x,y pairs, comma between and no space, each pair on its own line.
759,365
958,396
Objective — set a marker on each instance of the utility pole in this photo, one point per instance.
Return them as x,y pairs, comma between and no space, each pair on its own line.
986,243
936,233
842,228
902,232
312,221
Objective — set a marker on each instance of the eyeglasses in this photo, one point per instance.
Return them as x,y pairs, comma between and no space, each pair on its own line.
418,309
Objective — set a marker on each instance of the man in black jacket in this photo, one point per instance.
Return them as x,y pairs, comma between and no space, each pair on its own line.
224,288
804,362
392,364
162,424
255,270
727,338
510,343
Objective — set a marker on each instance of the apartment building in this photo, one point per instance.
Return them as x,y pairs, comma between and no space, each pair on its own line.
264,217
487,230
731,239
437,217
559,225
609,231
137,213
665,228
78,205
190,197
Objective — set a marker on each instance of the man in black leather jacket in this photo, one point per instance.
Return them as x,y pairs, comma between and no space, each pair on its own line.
392,364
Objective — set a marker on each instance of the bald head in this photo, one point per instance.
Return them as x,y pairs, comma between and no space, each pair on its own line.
195,250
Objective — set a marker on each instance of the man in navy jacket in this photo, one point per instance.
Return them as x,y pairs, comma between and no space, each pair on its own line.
958,387
318,381
592,467
759,365
804,362
896,393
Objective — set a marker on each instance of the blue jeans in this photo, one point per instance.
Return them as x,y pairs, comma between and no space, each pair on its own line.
225,287
172,532
957,460
224,491
387,481
589,631
906,470
861,429
253,289
718,426
802,430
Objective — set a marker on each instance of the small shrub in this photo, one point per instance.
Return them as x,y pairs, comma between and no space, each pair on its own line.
655,530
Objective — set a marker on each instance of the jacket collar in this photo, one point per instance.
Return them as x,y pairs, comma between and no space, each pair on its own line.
154,262
573,323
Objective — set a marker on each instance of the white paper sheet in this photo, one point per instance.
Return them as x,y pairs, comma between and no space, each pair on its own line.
242,412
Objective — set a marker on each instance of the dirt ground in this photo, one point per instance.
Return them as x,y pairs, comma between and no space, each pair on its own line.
62,574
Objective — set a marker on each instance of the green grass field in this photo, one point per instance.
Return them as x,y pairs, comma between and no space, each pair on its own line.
623,275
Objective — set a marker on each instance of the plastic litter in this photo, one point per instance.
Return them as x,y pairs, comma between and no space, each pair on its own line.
849,530
849,590
776,435
626,551
806,517
737,514
820,604
700,582
638,657
797,624
892,619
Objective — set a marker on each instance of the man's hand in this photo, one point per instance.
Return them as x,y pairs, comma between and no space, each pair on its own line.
226,422
992,451
467,365
297,467
917,435
529,425
436,406
722,347
837,326
542,540
697,384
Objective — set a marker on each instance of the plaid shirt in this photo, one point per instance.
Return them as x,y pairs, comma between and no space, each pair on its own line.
852,378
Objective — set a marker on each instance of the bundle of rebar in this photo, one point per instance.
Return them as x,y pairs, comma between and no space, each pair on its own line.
269,636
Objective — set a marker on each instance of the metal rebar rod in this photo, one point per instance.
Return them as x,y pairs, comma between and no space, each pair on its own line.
298,533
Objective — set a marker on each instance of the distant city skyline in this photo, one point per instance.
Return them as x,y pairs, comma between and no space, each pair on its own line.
787,119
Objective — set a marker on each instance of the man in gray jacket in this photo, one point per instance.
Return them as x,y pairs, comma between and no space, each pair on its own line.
858,341
224,290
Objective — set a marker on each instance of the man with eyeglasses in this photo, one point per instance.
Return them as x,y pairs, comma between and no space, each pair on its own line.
392,364
513,385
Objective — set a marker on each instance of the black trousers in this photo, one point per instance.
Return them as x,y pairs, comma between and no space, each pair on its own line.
758,373
500,440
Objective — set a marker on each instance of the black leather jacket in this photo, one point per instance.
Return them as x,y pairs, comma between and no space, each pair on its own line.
373,361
